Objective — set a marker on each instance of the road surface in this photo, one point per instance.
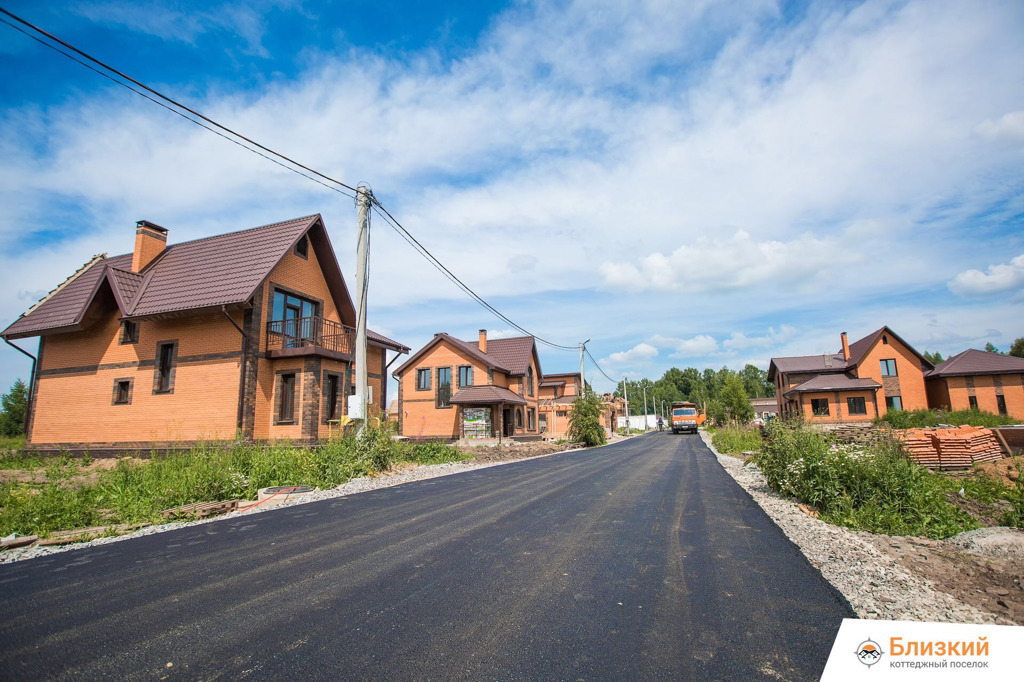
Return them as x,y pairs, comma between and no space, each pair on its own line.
640,560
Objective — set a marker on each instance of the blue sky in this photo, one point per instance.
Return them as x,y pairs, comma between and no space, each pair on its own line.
700,183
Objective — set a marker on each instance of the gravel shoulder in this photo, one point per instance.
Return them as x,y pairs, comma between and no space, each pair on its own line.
974,577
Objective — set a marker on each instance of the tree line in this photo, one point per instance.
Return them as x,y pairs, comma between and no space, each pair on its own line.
723,394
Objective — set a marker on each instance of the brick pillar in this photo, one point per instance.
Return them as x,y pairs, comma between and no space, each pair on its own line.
311,394
252,324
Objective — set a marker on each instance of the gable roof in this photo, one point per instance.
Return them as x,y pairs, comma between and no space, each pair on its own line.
860,348
973,361
833,363
470,349
224,270
514,353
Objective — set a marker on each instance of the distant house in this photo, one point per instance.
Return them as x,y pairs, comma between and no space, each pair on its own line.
978,380
765,408
862,381
453,389
244,334
557,393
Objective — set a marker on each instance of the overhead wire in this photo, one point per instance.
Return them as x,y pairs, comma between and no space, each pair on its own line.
157,96
587,351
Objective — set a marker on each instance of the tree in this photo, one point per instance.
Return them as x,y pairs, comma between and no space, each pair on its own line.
735,399
934,358
989,348
755,382
585,421
1017,349
15,404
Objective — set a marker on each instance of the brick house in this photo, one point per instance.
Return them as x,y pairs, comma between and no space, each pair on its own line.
453,389
244,334
859,383
557,392
978,380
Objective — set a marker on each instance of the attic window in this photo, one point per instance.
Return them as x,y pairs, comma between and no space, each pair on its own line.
129,332
302,247
885,339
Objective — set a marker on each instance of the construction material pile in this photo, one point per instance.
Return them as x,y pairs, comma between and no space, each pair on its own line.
951,448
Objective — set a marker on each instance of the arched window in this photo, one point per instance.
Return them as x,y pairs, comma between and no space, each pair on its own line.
519,417
529,380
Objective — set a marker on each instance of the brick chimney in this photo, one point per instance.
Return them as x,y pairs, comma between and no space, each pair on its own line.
150,242
482,343
846,347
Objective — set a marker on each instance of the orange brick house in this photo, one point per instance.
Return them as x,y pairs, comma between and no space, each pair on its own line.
557,392
244,334
978,380
453,389
859,383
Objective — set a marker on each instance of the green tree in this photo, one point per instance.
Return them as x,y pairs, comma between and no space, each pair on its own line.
755,382
15,404
989,348
934,358
735,399
1017,349
585,421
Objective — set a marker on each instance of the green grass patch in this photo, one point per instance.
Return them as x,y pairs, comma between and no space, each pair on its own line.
138,490
917,419
733,439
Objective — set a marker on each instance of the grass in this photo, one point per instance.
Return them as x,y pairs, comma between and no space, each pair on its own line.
138,490
910,419
734,439
875,488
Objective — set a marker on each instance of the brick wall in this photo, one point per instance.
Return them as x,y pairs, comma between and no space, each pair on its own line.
908,370
838,408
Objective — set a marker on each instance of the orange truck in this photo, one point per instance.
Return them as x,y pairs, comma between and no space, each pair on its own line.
686,417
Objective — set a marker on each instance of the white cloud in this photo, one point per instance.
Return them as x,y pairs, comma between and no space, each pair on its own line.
739,341
642,352
995,280
696,346
1007,128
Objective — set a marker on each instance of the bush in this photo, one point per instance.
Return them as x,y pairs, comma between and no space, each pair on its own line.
734,438
878,489
585,422
916,419
433,452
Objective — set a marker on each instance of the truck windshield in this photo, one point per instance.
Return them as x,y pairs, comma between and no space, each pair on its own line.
684,412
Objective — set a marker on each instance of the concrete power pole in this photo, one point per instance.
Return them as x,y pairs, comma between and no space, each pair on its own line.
583,378
364,195
646,424
625,396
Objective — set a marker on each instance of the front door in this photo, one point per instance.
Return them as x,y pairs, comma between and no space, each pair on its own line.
508,426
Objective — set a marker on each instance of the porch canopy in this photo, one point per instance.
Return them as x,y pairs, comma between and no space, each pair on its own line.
486,395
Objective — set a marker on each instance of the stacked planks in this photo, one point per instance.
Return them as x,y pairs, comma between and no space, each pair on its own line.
951,448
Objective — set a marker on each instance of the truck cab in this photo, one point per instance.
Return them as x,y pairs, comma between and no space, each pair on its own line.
686,417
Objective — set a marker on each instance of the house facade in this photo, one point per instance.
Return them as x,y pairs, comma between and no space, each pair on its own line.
862,381
453,389
978,380
557,393
244,334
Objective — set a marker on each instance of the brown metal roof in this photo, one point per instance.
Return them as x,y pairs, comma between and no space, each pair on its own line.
808,363
381,340
973,361
204,273
834,382
486,395
860,348
514,353
470,349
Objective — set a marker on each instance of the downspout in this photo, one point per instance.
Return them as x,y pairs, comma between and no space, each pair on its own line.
31,385
241,375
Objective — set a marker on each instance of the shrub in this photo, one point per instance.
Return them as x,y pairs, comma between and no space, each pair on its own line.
585,421
433,452
734,438
911,419
878,489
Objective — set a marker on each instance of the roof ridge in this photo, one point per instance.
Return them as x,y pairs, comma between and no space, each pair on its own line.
71,278
248,229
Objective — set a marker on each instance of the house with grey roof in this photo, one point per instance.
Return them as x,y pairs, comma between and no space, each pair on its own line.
860,382
247,334
453,389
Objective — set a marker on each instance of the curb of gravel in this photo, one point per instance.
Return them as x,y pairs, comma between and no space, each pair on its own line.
875,584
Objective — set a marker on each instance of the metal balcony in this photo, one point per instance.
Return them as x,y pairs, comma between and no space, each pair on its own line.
309,336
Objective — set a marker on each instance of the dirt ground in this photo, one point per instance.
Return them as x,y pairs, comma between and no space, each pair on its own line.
86,474
507,453
990,579
1005,469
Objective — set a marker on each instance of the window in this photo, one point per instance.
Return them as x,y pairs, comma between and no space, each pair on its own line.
529,381
285,398
332,397
519,417
885,340
444,386
888,368
856,406
543,422
302,247
972,401
531,419
423,379
1001,403
129,332
819,406
165,356
893,402
122,392
296,318
465,376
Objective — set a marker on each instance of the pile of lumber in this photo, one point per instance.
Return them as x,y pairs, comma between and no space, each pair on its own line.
951,448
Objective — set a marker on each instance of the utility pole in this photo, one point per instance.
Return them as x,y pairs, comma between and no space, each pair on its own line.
583,378
646,424
364,195
625,396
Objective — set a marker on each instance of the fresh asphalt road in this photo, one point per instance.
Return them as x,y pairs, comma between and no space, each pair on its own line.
640,560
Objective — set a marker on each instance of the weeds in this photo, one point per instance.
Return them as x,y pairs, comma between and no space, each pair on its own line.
911,419
733,439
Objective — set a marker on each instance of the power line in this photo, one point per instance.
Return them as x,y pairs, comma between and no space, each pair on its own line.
587,351
157,96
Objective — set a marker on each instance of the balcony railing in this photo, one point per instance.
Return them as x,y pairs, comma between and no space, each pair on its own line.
310,332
